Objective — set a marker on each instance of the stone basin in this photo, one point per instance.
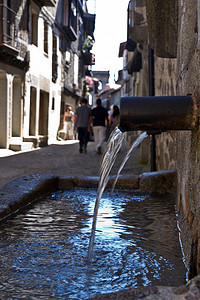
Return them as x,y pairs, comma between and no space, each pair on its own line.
19,193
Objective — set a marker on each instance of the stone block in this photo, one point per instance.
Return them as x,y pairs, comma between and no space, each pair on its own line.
162,19
159,182
22,146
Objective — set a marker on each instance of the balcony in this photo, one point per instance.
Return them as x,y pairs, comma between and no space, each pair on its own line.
48,2
8,31
10,47
88,59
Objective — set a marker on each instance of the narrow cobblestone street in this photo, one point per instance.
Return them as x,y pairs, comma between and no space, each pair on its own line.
62,158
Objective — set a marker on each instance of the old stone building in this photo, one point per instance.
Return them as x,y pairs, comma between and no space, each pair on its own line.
169,33
42,66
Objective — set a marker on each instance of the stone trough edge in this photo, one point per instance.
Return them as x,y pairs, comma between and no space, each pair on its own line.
22,191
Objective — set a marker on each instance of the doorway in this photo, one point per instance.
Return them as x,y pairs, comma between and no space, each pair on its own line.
32,119
43,113
17,108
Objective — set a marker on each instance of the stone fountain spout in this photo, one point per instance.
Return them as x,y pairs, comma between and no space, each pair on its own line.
159,113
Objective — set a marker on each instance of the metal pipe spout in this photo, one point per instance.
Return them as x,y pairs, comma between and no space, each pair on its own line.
159,113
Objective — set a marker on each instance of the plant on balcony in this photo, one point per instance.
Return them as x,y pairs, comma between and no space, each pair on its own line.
87,85
88,44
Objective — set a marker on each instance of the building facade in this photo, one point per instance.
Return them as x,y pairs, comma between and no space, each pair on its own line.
13,67
42,67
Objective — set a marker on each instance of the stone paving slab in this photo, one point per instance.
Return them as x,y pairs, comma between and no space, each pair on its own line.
63,158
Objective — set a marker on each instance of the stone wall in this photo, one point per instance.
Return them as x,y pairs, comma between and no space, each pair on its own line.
165,151
162,17
188,164
165,85
182,149
165,76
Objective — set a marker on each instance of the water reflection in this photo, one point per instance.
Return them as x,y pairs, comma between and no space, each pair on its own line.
43,251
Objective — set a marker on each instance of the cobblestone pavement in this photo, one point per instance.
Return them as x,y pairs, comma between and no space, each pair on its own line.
62,158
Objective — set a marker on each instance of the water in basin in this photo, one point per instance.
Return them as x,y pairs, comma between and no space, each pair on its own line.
43,251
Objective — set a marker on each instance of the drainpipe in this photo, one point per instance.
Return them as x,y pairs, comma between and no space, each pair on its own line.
151,93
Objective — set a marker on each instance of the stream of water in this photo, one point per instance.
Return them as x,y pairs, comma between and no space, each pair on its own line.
134,145
109,156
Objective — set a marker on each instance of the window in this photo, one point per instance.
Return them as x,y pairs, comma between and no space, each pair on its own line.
76,69
131,9
66,13
46,37
9,19
8,28
73,17
127,87
53,104
34,29
54,58
100,85
70,18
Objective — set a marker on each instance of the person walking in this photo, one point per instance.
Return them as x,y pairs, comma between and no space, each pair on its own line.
81,122
99,119
68,123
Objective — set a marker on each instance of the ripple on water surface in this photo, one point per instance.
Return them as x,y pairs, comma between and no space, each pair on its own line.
43,251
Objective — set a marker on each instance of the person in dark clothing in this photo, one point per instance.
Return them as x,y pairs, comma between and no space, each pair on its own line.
100,122
114,118
81,122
